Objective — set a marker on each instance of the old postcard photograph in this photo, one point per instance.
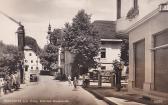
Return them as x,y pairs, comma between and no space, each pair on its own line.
83,52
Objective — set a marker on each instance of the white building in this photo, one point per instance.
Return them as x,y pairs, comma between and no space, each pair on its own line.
145,21
31,63
110,44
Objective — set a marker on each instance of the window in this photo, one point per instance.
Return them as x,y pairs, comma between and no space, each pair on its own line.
103,67
31,67
31,61
26,67
26,61
36,61
30,54
37,68
103,53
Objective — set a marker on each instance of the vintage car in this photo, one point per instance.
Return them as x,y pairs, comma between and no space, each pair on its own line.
33,78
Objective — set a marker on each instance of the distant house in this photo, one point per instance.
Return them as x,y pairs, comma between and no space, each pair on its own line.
110,44
32,65
145,21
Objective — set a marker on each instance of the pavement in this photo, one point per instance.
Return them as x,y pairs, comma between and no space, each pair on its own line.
123,97
50,92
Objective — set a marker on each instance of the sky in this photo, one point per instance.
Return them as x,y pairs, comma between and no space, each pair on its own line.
35,15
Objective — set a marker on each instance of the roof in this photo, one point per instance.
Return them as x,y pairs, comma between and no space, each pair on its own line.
106,29
27,48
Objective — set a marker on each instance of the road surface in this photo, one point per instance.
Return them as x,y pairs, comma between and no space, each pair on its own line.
49,92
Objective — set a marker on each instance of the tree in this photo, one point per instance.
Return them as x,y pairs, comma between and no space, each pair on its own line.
124,52
32,43
9,58
81,40
49,55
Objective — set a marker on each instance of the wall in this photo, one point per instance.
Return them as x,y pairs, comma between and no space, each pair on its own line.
112,53
36,63
145,31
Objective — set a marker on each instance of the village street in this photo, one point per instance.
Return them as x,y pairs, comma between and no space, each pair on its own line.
49,92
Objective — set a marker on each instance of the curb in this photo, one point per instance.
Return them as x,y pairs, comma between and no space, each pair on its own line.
101,97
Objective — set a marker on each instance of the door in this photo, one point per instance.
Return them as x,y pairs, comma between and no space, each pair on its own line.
161,62
139,51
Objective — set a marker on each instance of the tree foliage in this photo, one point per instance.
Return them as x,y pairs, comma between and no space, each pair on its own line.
49,55
9,58
81,40
32,43
124,52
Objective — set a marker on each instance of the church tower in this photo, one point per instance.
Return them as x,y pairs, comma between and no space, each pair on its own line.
49,33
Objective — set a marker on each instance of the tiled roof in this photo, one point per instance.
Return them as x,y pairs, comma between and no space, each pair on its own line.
106,29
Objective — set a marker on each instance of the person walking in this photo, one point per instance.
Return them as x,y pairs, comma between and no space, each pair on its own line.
75,83
69,80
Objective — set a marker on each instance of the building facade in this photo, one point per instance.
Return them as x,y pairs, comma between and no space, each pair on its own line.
32,65
145,22
110,44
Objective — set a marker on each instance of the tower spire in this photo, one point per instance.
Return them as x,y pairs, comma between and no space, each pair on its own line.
49,33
